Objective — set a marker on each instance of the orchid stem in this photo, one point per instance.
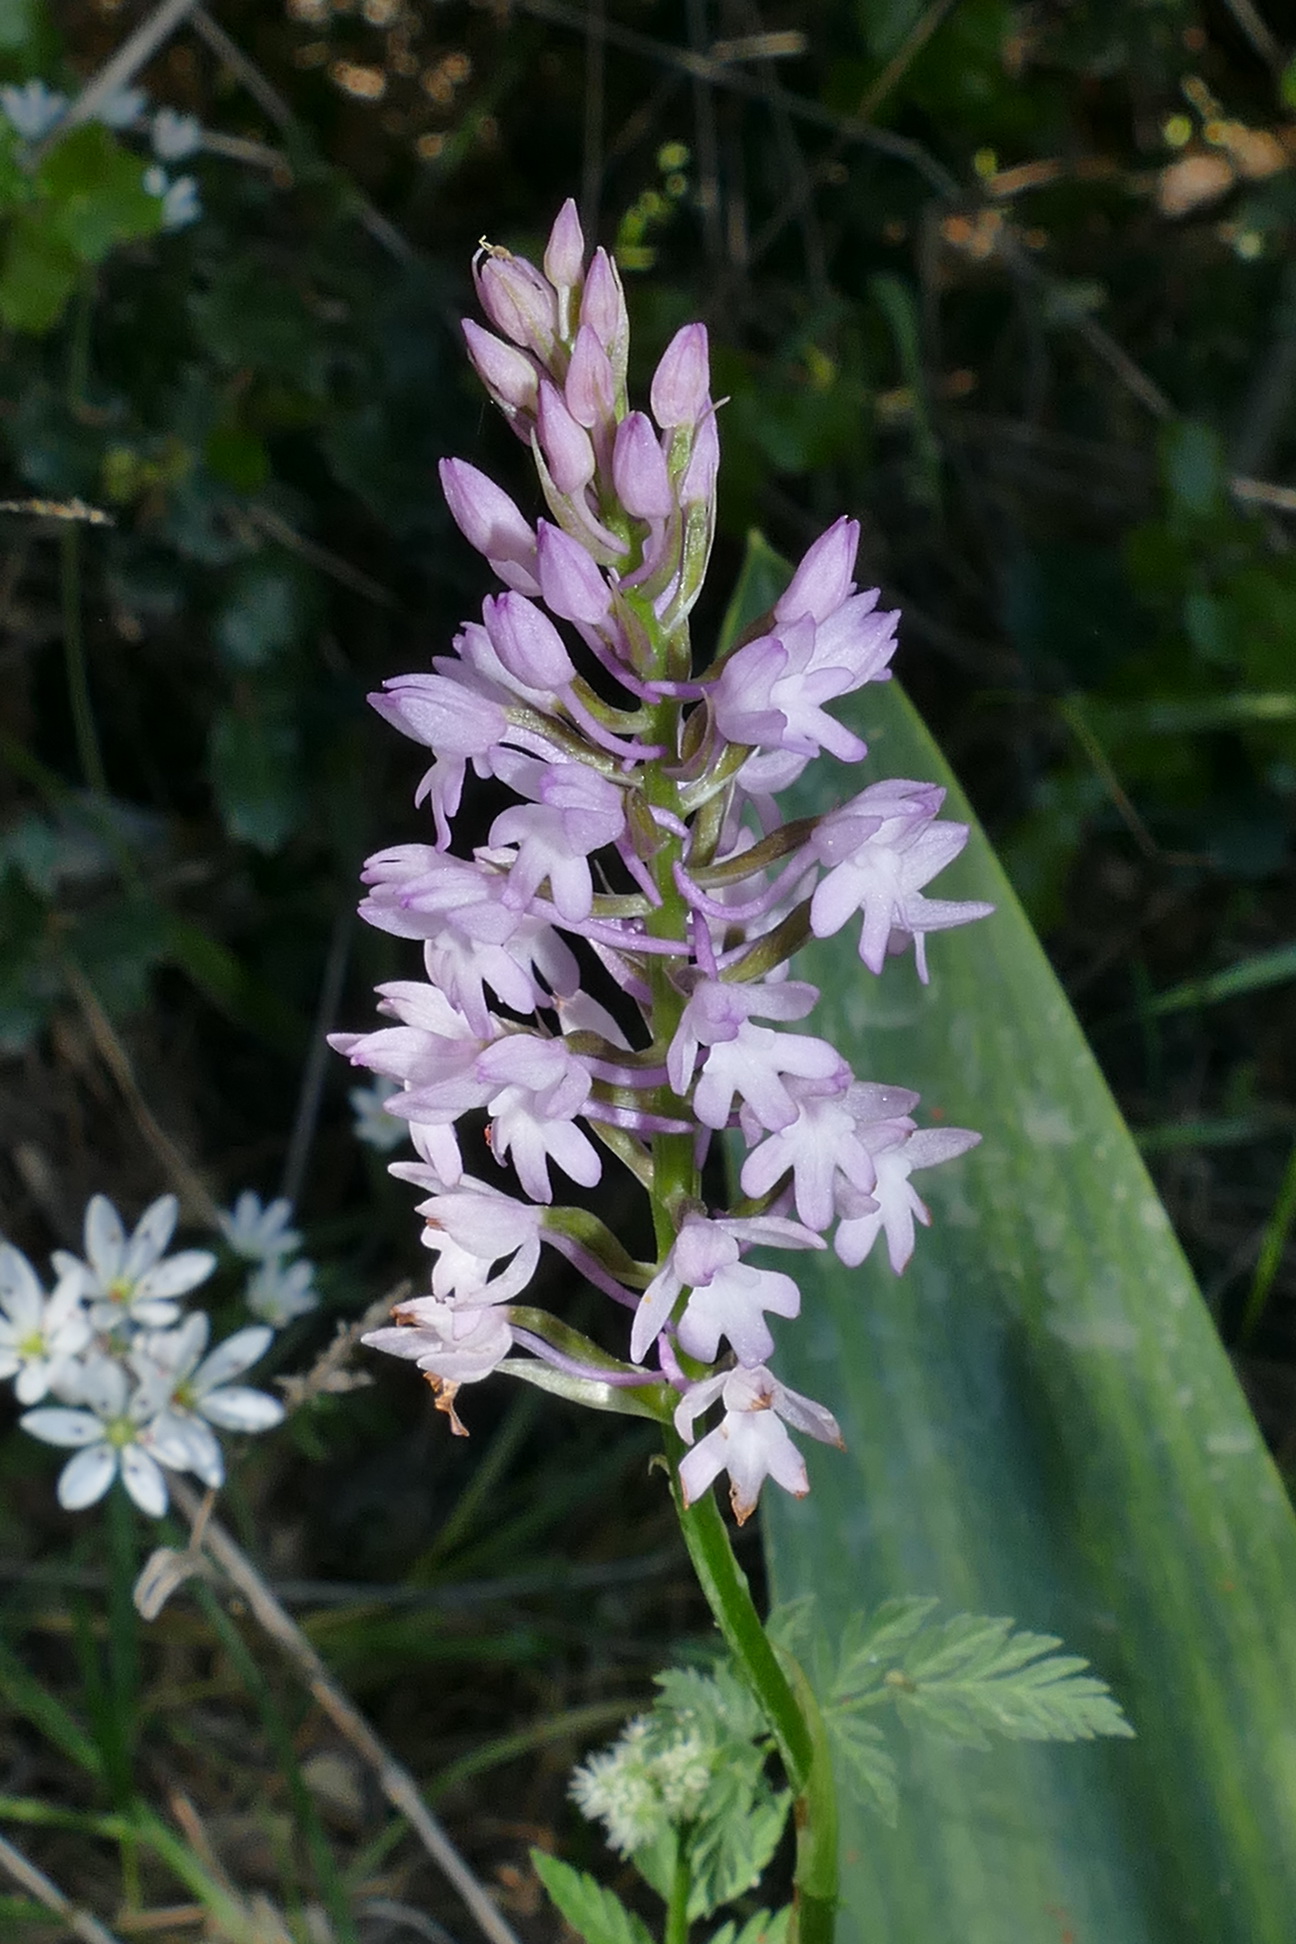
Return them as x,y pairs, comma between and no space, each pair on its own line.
793,1715
789,1707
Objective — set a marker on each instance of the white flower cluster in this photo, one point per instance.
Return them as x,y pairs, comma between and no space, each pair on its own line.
135,1387
280,1289
373,1125
35,109
654,1775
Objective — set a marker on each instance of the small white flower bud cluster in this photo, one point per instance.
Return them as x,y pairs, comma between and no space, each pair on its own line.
282,1284
653,1777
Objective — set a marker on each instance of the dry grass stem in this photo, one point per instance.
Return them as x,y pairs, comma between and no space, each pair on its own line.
395,1781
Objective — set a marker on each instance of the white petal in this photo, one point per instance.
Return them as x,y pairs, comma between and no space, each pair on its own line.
231,1358
177,1274
176,1351
397,1341
700,1467
696,1399
33,1382
104,1387
20,1291
150,1315
144,1481
804,1414
87,1477
760,1448
65,1316
105,1238
56,1426
153,1231
188,1445
655,1306
239,1408
932,1145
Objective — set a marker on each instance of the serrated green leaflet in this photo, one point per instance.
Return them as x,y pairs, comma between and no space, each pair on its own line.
594,1913
1041,1421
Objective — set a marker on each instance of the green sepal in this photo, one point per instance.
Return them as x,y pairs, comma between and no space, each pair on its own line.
776,946
597,1238
651,1398
582,1390
628,1149
780,843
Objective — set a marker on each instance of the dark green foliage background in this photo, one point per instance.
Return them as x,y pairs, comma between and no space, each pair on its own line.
947,294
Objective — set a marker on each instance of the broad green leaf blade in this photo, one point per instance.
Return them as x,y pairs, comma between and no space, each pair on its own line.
1041,1421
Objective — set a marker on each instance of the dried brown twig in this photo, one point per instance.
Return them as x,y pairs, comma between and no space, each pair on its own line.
35,1882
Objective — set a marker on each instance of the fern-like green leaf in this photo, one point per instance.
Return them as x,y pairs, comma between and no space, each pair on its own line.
728,1853
766,1927
794,1624
871,1642
594,1913
863,1764
971,1678
721,1704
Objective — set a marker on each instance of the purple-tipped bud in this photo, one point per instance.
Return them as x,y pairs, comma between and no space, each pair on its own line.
823,580
489,521
564,254
517,301
527,642
570,582
566,445
699,482
682,381
603,308
508,374
591,382
639,471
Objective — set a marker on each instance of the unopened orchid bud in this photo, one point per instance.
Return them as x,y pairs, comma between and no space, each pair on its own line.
697,487
639,470
527,642
823,580
507,373
570,582
682,381
565,444
590,388
517,301
489,521
603,307
564,255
